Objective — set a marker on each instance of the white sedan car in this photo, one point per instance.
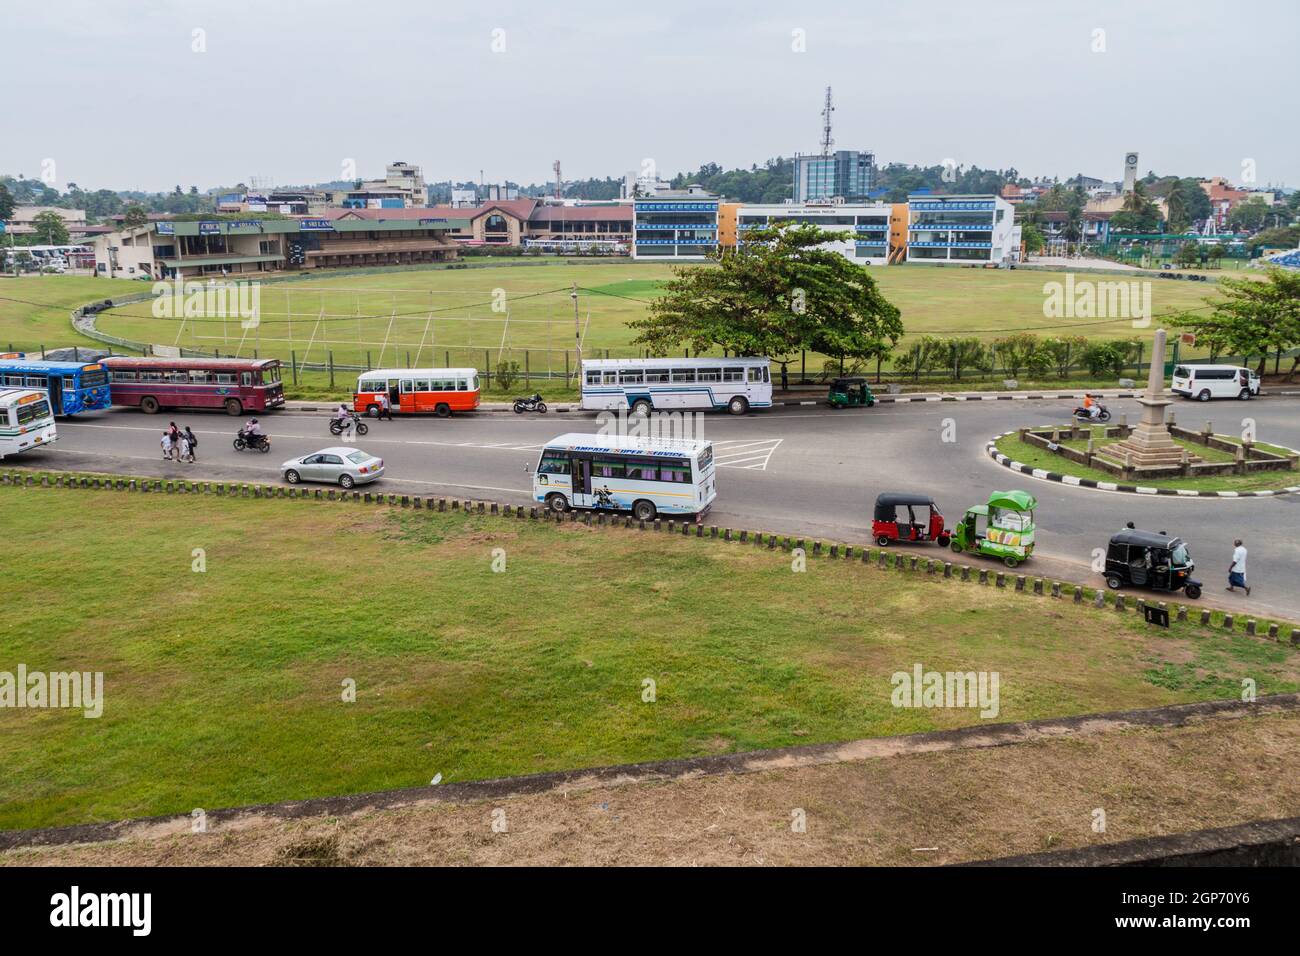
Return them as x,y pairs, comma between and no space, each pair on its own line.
342,466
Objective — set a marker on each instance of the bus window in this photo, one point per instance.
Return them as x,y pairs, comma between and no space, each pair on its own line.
36,381
755,373
710,375
462,385
406,386
642,470
656,375
733,374
611,377
632,376
33,410
246,378
607,469
676,472
179,378
199,378
684,375
593,377
422,385
554,463
223,378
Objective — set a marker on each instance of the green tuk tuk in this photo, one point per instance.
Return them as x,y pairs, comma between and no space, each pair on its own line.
846,392
1003,528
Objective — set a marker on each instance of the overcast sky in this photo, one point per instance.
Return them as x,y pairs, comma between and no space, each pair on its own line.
114,92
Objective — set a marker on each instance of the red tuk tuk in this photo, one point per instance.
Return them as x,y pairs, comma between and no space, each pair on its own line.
919,519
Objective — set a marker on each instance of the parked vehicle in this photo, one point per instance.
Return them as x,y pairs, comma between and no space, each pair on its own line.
260,443
665,384
26,421
336,426
850,392
647,476
1152,560
1003,528
531,404
921,522
414,391
343,466
236,385
1083,415
1204,382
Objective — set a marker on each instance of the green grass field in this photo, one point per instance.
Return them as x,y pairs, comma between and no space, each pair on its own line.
458,315
34,310
225,687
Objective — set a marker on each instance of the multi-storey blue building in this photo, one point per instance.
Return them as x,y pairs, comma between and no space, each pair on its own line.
962,229
675,224
846,174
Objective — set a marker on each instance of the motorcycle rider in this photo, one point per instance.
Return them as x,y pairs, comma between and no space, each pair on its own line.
253,432
343,416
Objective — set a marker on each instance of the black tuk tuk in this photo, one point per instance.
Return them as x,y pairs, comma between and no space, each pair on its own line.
1152,560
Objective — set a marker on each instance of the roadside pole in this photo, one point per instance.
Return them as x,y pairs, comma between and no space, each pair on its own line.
577,330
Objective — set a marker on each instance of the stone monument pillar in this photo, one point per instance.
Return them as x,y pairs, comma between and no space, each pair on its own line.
1150,445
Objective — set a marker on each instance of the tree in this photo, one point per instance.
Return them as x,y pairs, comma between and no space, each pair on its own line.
6,203
49,229
1060,352
1189,253
1016,350
135,216
779,292
1250,317
1248,216
1032,237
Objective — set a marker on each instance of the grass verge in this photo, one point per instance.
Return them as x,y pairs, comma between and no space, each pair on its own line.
225,686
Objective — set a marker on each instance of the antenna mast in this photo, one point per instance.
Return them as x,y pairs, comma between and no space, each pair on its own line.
827,142
556,167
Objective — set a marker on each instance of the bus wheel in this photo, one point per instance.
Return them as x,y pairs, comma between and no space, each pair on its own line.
642,406
443,410
149,405
738,405
233,406
643,510
372,411
557,503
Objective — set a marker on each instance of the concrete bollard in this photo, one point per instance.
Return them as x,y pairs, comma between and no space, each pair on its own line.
1295,637
947,569
1119,603
1002,580
835,551
771,542
1182,613
1038,585
1020,582
965,572
1272,632
1056,589
1099,599
1078,594
913,560
984,575
1250,627
1205,618
1227,622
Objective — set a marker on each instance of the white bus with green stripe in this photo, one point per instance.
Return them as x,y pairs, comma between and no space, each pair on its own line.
26,421
646,476
668,384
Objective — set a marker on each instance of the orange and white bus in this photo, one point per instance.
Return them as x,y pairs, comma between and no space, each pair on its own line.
415,391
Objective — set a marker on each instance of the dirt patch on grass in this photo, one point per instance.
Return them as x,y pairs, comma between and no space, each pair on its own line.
914,809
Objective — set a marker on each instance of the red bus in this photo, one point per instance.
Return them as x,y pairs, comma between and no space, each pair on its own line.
439,391
237,385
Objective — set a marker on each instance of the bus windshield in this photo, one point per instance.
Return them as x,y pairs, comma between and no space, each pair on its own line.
271,375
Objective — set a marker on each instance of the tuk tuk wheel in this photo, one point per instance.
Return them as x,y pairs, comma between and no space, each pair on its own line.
956,546
1010,561
943,540
1113,582
1193,591
871,402
882,541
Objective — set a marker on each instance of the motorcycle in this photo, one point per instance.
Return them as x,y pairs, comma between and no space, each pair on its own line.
531,404
1081,414
260,443
337,427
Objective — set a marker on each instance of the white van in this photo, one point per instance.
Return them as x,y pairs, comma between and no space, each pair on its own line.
1204,382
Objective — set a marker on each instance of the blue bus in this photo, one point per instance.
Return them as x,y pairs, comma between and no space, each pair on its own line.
73,386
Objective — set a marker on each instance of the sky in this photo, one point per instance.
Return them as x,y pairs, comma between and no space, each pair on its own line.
148,94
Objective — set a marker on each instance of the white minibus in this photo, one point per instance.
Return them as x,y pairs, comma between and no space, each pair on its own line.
647,476
644,385
26,421
1204,382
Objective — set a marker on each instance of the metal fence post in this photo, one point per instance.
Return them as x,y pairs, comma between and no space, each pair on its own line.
331,357
293,365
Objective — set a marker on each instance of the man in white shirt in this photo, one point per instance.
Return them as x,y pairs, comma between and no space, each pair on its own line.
1237,570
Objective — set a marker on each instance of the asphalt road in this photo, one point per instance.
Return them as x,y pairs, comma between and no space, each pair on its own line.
812,471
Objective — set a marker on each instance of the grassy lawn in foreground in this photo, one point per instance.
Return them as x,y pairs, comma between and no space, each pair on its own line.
224,687
1037,457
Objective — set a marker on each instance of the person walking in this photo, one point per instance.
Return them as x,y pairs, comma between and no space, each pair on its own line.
194,443
175,434
185,454
1237,569
385,407
167,447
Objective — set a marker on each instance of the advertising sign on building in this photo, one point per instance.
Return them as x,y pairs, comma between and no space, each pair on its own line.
305,225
